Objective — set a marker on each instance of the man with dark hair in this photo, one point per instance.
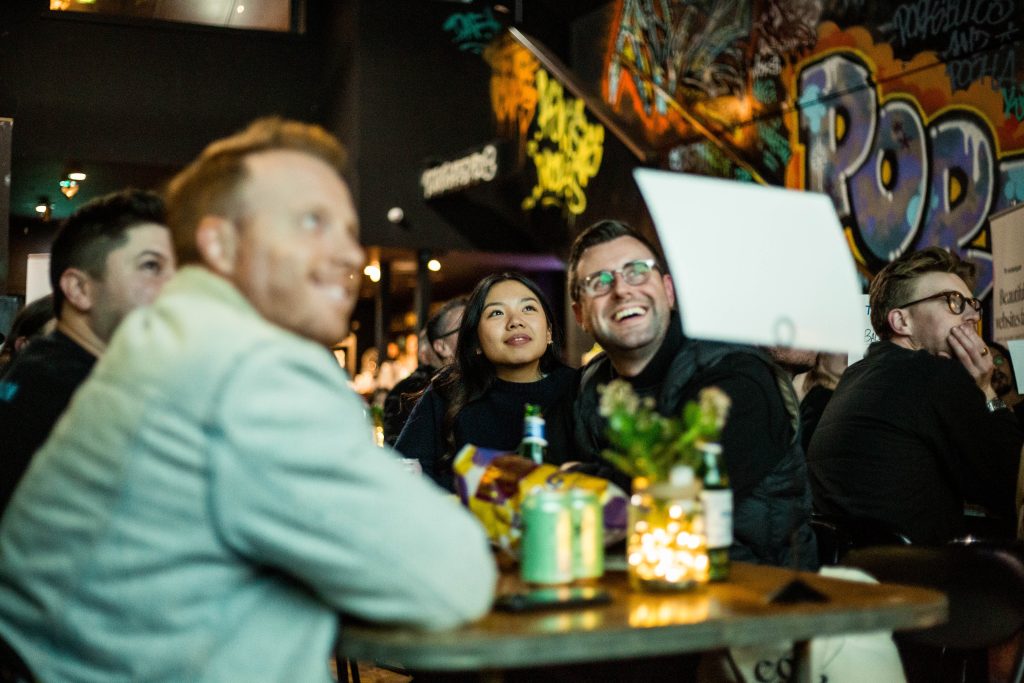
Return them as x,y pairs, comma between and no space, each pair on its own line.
33,321
213,497
438,340
443,329
915,429
624,297
110,256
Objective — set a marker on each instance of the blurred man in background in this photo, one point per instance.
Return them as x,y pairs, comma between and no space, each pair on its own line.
915,430
34,320
111,256
436,348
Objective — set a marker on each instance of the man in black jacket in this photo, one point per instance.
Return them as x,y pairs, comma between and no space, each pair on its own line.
914,430
623,296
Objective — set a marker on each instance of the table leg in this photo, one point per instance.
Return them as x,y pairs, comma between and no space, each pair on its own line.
802,661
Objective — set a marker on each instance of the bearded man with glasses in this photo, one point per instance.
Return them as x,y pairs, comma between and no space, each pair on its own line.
915,430
623,296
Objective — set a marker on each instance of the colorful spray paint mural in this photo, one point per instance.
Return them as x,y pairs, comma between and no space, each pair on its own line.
566,149
513,88
472,31
910,115
551,127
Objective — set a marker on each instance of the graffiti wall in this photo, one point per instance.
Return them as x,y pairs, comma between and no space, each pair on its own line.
555,138
566,149
909,115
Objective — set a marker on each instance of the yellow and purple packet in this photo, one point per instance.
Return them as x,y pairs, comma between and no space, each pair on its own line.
493,485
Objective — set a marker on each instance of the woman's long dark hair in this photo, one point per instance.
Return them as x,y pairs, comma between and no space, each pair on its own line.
471,373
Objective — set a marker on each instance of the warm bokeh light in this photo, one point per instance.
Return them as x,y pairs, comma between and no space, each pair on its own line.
372,271
433,265
649,611
76,176
667,546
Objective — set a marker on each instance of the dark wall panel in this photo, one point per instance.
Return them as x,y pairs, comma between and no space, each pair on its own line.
141,93
6,126
419,97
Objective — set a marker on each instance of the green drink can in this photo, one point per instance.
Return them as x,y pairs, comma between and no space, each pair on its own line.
587,534
546,547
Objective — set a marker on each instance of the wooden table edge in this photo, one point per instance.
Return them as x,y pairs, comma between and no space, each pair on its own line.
473,648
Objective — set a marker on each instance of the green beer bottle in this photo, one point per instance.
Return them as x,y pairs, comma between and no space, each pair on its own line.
717,500
533,446
377,416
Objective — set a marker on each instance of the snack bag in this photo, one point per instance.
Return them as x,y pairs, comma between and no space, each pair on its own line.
493,485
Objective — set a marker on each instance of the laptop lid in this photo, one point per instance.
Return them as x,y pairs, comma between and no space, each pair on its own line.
754,264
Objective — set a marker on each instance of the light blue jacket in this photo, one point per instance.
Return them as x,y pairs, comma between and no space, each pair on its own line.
209,502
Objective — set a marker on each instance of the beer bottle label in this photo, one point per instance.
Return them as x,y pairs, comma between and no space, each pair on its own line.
718,516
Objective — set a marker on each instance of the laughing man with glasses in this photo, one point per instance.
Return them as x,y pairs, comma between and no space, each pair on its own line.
624,298
915,430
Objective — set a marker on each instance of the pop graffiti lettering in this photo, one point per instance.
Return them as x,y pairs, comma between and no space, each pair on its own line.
896,178
566,149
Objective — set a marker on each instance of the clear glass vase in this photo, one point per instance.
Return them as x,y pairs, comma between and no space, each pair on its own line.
667,547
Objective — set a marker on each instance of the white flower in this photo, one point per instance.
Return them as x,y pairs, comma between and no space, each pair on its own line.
617,395
715,402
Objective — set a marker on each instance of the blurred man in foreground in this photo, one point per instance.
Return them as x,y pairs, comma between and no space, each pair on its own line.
111,256
915,429
214,497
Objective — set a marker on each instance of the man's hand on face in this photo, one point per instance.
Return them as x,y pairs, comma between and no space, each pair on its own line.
972,352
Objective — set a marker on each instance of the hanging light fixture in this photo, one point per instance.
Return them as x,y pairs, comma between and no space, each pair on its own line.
44,208
372,271
73,175
69,188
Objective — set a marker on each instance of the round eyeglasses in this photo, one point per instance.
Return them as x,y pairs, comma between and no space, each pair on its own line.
955,300
632,273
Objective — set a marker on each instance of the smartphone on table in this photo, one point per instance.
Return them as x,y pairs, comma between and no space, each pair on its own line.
559,597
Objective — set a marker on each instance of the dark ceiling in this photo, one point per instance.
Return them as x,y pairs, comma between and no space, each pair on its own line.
130,101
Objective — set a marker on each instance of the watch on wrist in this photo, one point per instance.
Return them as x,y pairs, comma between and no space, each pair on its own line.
996,404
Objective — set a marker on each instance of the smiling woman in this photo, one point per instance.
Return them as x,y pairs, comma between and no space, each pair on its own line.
508,355
514,331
